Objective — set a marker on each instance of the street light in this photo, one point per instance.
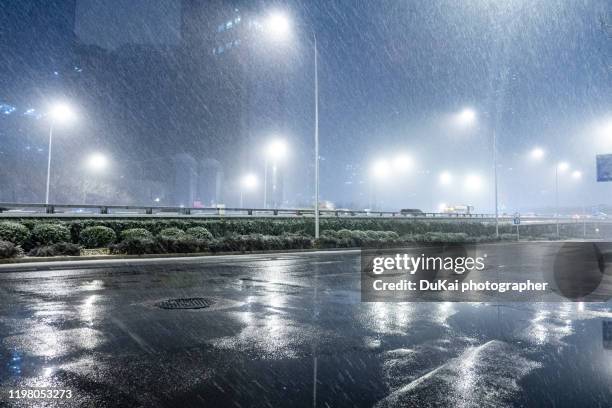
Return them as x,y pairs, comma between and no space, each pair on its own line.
402,163
97,162
59,113
466,117
248,182
445,178
473,182
559,167
278,25
381,169
275,151
537,153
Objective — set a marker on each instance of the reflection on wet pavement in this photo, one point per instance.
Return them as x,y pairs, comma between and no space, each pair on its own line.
292,332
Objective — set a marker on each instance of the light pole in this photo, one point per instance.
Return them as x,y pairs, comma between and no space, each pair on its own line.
96,163
468,117
495,183
380,171
59,113
316,92
561,166
278,26
248,182
276,150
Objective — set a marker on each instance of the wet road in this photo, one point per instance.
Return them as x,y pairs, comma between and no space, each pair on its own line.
287,330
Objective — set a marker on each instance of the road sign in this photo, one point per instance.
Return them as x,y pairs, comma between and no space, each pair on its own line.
517,219
604,167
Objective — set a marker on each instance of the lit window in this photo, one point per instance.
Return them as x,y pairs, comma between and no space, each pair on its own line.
228,25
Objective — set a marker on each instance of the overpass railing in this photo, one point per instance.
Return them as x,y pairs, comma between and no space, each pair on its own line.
36,209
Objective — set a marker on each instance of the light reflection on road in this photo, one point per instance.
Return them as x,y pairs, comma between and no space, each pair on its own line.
294,312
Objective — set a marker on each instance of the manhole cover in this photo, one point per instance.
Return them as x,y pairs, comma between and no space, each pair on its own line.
186,303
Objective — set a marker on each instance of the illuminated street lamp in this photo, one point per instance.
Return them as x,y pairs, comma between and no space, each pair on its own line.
275,151
445,178
97,162
278,26
381,169
402,163
473,182
60,113
248,182
537,153
560,167
466,117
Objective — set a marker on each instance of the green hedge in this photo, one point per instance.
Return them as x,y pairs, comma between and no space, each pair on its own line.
14,232
305,226
194,233
200,233
136,233
97,237
9,250
172,233
48,234
60,248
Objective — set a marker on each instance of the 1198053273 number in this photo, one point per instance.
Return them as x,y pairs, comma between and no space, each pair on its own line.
40,394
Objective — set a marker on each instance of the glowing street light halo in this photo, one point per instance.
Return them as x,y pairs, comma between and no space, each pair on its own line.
402,163
466,117
473,182
97,162
277,149
381,169
249,181
445,178
537,153
563,166
62,113
278,25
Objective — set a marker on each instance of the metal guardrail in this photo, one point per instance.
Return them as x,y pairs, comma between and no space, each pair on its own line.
15,210
30,209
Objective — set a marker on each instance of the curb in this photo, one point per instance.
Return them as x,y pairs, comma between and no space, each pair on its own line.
69,259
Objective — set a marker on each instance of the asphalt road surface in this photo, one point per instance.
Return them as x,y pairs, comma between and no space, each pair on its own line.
286,330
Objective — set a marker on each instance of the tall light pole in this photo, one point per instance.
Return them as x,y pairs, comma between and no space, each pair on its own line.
278,27
276,150
561,166
96,163
468,117
316,135
248,182
59,113
495,182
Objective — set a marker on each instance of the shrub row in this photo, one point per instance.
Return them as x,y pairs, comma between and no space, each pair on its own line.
38,236
9,250
223,227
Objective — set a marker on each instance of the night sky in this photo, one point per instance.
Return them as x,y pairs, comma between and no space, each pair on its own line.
393,76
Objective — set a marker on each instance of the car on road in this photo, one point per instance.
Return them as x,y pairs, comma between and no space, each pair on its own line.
411,211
